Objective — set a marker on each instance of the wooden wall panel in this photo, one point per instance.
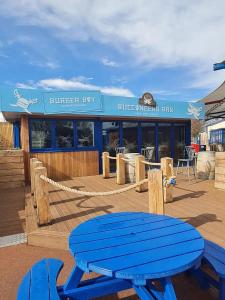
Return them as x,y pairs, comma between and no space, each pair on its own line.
11,169
6,136
66,165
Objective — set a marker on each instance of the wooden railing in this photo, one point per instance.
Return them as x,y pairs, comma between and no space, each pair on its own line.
40,192
166,166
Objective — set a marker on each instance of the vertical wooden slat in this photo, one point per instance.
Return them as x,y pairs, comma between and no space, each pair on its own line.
166,163
42,197
120,169
140,173
32,160
105,164
24,138
155,190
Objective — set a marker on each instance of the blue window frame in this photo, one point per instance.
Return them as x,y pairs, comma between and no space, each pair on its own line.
62,135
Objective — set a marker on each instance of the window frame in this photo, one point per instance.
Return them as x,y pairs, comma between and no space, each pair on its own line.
53,147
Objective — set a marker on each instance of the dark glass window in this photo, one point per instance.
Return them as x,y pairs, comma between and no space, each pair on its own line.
179,137
111,140
130,136
40,134
148,136
85,134
164,140
64,134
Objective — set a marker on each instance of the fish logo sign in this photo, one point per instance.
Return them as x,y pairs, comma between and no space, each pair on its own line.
194,111
23,102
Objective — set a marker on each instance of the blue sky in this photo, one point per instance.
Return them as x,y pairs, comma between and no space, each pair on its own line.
120,47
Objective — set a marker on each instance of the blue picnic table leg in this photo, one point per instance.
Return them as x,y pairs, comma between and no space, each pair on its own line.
143,293
222,288
169,293
73,279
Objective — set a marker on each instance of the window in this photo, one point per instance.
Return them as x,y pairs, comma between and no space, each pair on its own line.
130,136
64,134
85,134
40,134
179,137
164,140
59,135
148,136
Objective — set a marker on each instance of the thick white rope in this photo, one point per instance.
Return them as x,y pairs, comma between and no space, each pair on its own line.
85,193
150,163
111,157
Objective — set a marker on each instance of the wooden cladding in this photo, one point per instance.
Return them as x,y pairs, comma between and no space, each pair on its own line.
66,165
11,168
6,136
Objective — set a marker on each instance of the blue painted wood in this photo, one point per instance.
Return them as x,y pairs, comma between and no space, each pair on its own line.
169,292
95,288
133,230
136,246
143,293
40,281
215,255
74,278
24,288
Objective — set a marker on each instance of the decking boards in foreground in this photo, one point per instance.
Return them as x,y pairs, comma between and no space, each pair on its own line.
198,203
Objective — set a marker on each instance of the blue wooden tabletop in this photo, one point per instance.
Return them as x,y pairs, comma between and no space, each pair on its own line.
136,245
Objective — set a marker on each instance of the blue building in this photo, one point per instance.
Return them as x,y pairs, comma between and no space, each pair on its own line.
82,124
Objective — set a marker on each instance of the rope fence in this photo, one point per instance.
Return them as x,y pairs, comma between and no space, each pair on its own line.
159,183
92,194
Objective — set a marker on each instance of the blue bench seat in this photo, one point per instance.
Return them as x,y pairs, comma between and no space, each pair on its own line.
40,281
214,256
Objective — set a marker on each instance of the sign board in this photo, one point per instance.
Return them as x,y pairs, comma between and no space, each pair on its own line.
93,103
147,100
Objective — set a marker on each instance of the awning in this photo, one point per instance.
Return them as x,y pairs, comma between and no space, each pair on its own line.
215,103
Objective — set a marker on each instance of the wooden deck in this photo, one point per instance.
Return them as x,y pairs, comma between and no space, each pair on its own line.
12,211
198,203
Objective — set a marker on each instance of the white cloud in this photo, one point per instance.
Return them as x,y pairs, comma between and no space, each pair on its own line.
152,33
76,83
109,63
48,64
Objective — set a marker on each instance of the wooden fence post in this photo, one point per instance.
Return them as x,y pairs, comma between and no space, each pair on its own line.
36,164
140,173
155,190
42,197
120,169
166,163
105,164
32,160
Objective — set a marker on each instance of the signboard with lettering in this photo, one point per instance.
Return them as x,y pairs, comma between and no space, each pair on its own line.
72,101
93,103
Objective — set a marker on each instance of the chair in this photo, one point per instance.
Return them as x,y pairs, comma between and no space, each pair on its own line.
120,150
147,153
189,161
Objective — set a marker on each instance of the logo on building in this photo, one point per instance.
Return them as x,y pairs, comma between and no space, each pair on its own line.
194,111
147,100
23,102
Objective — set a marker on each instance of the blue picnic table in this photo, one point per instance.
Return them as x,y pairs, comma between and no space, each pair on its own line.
131,250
